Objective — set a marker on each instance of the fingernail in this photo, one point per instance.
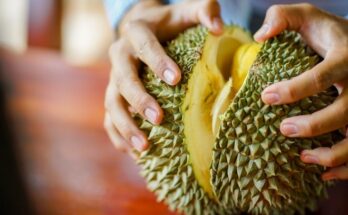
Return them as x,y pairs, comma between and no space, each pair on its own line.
137,143
262,31
289,129
310,159
169,76
271,98
151,114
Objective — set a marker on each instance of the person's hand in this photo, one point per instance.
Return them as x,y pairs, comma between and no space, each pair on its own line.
327,35
143,28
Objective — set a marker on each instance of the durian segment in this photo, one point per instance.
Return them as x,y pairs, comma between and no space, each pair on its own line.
204,85
243,58
221,104
219,50
242,61
167,164
257,169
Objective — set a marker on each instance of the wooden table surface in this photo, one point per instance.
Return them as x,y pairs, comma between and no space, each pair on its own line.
70,166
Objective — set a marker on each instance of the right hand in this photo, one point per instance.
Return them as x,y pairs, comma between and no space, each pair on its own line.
146,25
328,36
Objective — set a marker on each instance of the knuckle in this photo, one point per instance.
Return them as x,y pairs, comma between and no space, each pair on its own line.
152,54
275,9
307,6
125,84
118,48
160,66
123,127
141,102
126,129
331,160
311,129
132,24
150,45
150,49
292,93
321,80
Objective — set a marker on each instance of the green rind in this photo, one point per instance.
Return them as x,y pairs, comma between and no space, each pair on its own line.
166,164
254,166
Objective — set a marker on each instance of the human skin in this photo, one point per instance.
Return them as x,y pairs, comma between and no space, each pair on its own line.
149,23
328,36
142,29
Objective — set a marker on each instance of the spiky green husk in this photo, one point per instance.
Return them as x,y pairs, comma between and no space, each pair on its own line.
166,164
254,166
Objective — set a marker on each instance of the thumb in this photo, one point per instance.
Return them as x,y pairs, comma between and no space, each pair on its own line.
281,17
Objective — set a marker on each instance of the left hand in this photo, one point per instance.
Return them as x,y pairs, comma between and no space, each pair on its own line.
327,35
142,29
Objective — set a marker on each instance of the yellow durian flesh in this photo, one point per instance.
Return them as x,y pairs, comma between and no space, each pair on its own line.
205,84
243,59
241,63
221,104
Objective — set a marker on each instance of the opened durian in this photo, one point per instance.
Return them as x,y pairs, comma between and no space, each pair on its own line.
219,149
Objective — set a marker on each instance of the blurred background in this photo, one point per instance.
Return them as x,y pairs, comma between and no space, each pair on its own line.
78,29
55,157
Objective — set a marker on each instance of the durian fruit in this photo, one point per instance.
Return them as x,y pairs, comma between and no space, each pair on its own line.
177,164
219,149
255,167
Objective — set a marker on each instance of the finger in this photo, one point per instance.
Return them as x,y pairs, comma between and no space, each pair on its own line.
141,102
126,125
328,119
336,173
150,51
122,120
189,13
115,137
281,17
313,81
125,78
117,140
204,12
325,156
209,16
132,110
